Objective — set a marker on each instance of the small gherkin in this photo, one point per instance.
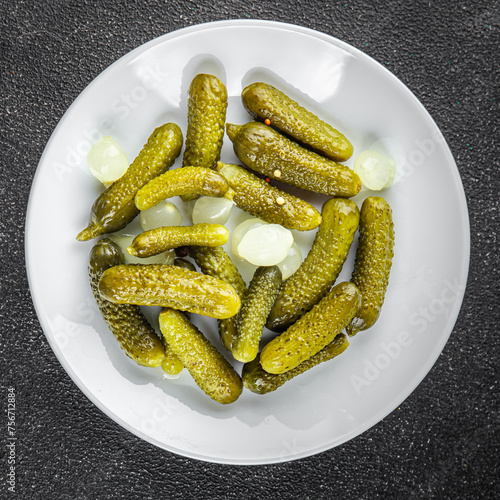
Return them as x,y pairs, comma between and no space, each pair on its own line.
169,286
313,331
164,238
257,380
260,199
255,307
209,369
264,150
373,261
319,270
207,104
266,102
180,182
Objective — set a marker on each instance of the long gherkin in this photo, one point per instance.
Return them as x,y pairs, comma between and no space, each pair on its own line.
373,260
207,104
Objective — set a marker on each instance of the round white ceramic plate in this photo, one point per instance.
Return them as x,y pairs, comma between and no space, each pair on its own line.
335,401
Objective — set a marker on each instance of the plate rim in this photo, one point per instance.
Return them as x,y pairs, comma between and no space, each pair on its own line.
418,377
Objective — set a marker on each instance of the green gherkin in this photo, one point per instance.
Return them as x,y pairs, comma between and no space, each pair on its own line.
214,261
207,104
255,307
259,198
115,207
182,181
164,238
127,323
210,370
169,286
319,270
373,261
266,151
257,380
313,331
264,101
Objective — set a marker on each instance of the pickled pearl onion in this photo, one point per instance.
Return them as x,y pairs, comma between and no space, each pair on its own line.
265,245
107,161
162,214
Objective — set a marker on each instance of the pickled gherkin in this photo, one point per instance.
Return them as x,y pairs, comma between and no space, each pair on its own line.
159,240
181,181
115,207
264,101
169,286
209,369
215,262
259,198
127,322
266,151
172,365
313,331
257,380
373,260
207,103
319,270
255,307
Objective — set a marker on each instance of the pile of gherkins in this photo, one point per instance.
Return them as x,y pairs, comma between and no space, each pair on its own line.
309,310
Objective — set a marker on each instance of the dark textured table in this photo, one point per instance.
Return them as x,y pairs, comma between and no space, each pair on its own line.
443,441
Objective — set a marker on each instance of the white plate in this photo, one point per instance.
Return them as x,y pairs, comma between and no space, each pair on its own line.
337,400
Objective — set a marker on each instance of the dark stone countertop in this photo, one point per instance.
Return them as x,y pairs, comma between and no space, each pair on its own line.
444,440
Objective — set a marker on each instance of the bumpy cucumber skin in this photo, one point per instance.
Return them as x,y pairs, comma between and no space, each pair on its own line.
373,261
210,370
179,182
115,207
313,331
255,308
264,101
319,270
127,323
259,198
169,286
207,104
257,380
265,150
165,238
172,365
214,261
186,264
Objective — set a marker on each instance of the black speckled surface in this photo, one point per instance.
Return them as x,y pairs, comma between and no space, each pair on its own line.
444,440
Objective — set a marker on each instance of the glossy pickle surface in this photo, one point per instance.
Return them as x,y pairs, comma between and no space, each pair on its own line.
373,262
180,182
164,238
265,150
207,104
257,380
169,286
210,370
264,101
321,267
312,331
255,308
260,199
